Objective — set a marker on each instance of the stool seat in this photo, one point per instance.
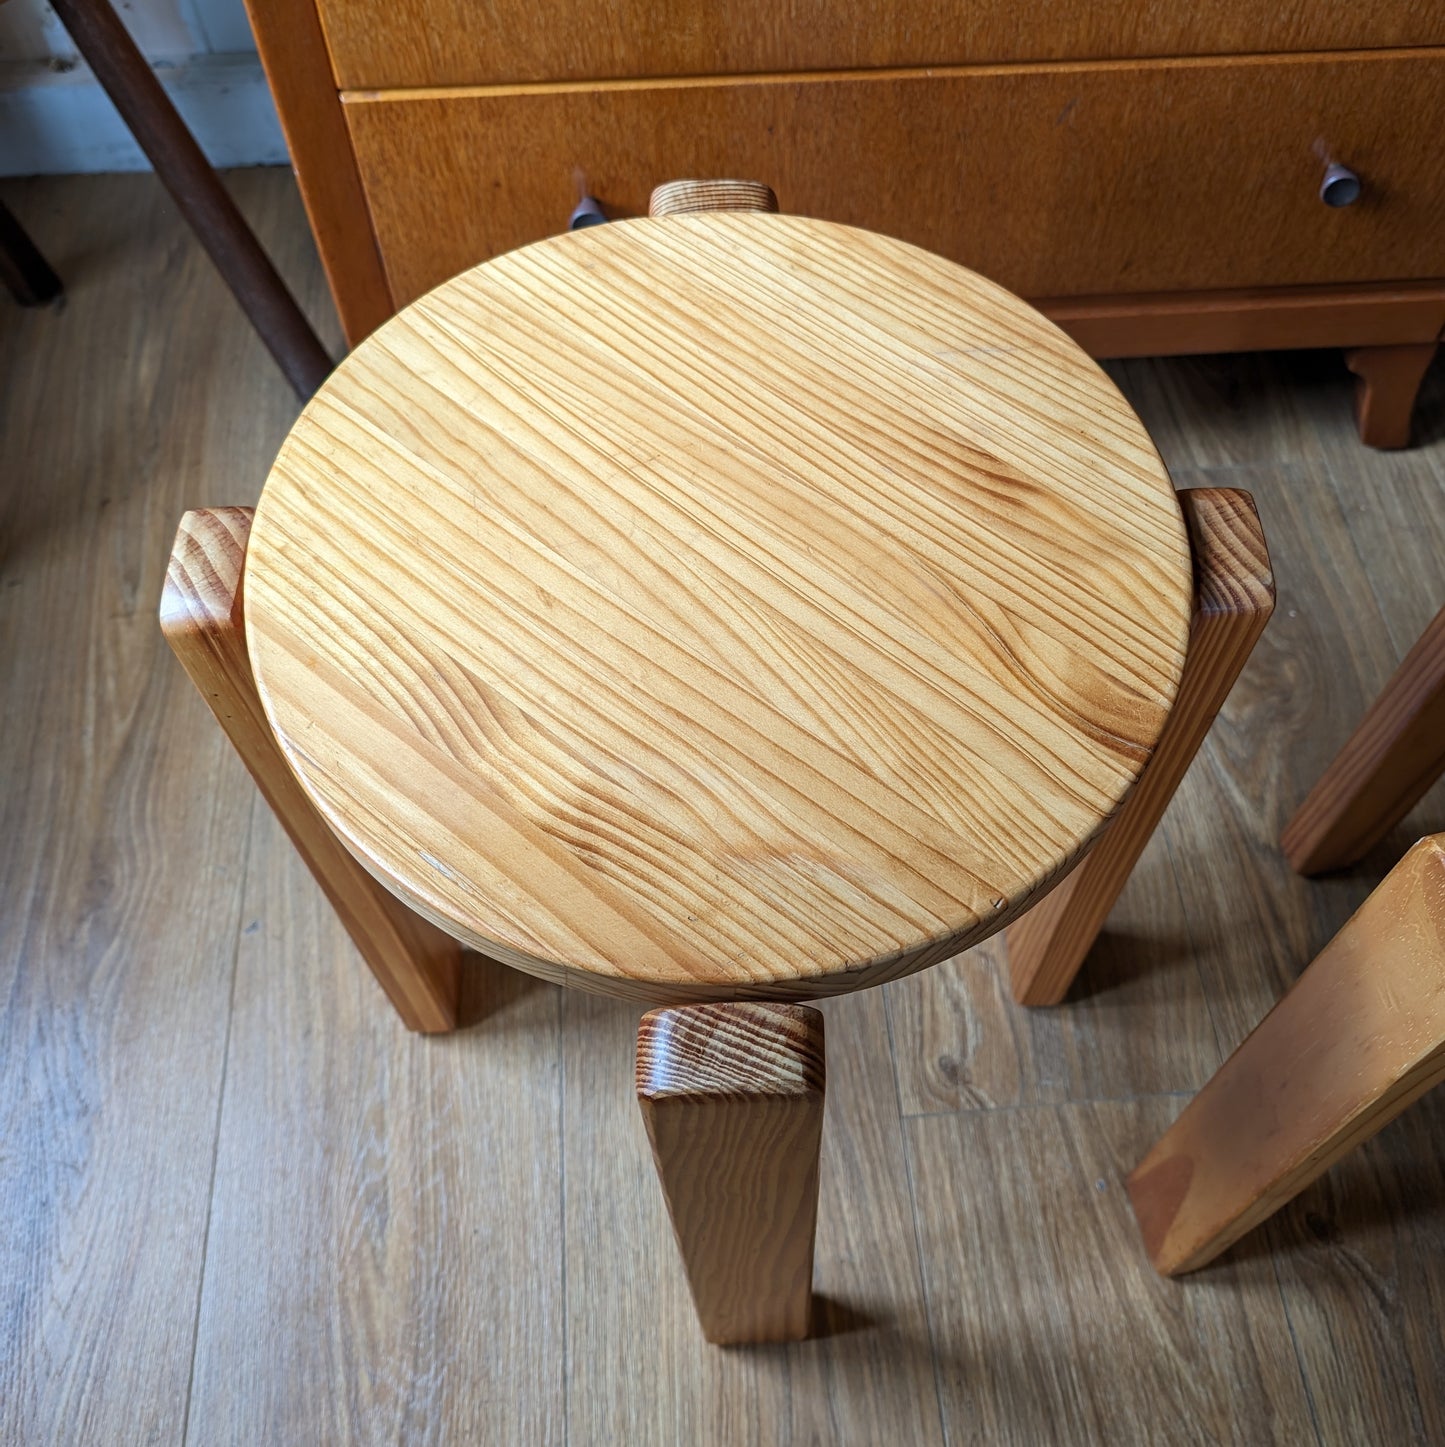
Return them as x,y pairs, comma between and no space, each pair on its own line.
716,606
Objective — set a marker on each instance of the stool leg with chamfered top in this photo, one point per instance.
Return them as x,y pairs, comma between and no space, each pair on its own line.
732,1098
1233,598
418,965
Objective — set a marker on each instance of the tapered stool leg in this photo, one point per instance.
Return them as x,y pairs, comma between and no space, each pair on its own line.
1359,1036
1233,598
732,1098
676,198
1395,754
417,964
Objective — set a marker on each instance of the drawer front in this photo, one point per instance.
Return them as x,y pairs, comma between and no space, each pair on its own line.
459,42
1061,181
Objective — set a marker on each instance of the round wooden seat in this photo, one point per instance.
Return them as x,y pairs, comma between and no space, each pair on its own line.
718,605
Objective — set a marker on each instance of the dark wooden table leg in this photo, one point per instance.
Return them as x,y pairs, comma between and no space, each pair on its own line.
207,206
25,272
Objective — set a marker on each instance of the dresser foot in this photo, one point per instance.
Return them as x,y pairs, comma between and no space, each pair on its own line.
1387,382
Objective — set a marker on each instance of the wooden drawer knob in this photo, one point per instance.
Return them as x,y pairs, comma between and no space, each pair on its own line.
679,197
1341,187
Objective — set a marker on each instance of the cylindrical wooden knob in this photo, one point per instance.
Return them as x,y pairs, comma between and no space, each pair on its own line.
1341,187
677,198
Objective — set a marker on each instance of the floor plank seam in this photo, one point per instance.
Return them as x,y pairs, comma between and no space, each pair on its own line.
1165,834
562,1200
220,1112
1027,1105
1298,1355
913,1212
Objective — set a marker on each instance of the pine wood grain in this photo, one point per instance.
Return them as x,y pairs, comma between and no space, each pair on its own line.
1252,921
1234,597
202,618
1395,754
1359,1037
732,1098
445,42
1077,213
680,198
589,718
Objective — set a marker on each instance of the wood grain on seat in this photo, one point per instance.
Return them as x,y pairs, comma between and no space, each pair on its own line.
718,605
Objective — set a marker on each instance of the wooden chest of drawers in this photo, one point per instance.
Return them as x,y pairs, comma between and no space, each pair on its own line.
1149,174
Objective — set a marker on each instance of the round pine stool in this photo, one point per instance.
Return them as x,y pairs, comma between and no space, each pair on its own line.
718,609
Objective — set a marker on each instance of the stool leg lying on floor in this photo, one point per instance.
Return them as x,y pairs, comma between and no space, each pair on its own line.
417,964
1233,598
1359,1036
732,1098
1395,754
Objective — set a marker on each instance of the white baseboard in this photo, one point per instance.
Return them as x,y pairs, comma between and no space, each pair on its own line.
57,122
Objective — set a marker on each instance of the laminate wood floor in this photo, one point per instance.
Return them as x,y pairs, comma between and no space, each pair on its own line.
242,1205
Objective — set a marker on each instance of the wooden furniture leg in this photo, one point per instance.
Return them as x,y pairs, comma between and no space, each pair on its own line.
417,964
1388,381
732,1098
1359,1036
25,272
1395,754
1233,598
675,198
197,191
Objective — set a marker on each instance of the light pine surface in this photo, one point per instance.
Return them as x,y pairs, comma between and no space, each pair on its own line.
718,604
732,1098
1233,598
1358,1039
241,1205
201,616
